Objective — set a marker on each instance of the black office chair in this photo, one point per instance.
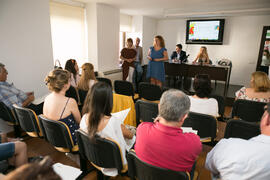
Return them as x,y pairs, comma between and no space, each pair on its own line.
106,80
149,91
221,105
9,115
101,153
145,111
28,121
137,169
206,126
251,111
125,88
57,133
241,129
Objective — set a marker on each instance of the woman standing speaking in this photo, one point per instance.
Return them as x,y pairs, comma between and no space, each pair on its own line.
157,54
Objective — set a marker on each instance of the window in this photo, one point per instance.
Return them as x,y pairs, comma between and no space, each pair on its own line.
68,32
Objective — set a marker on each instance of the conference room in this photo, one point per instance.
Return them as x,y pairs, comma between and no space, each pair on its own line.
114,89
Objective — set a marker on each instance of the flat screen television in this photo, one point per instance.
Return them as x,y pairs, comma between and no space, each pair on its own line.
206,31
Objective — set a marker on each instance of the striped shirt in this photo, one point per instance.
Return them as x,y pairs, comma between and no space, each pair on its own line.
10,95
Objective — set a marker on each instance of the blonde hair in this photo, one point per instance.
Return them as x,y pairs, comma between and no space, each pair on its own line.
87,74
260,81
203,53
57,79
161,40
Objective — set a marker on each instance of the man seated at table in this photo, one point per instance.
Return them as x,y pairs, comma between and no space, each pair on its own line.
178,54
163,143
236,158
10,95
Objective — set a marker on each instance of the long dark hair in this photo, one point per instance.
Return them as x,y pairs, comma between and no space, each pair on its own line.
98,103
202,85
70,66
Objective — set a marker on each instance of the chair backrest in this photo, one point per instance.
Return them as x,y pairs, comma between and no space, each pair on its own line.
6,113
123,87
241,129
251,111
138,169
146,111
56,133
28,121
106,80
149,91
221,104
102,152
206,125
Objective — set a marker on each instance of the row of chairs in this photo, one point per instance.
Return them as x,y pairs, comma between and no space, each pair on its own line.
101,153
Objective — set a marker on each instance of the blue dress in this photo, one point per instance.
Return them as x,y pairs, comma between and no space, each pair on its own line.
156,69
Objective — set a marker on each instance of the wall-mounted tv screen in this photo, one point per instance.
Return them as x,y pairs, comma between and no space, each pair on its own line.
206,31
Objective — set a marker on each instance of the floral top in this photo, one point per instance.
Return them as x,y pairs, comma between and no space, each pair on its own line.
241,94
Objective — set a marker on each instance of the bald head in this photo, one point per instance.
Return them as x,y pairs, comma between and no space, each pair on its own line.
138,41
174,105
3,73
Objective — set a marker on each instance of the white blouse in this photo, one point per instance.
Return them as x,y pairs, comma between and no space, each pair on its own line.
113,130
204,106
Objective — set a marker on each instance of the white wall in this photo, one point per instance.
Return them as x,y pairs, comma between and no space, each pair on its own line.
26,47
91,18
103,36
149,32
242,38
125,23
108,25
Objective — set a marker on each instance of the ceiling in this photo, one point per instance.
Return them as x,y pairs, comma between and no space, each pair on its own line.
188,8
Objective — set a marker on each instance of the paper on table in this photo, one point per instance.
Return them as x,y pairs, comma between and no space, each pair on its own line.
39,99
189,130
66,172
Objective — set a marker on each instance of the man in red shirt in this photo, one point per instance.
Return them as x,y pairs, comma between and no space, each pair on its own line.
163,142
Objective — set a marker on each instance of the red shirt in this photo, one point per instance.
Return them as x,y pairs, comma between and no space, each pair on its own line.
167,147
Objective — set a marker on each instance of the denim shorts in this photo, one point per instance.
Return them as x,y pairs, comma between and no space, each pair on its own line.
7,150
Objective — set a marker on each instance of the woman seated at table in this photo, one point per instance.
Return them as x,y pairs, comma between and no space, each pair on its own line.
202,57
97,119
200,102
88,77
57,106
259,88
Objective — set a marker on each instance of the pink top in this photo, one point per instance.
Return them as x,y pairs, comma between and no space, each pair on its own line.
167,147
242,94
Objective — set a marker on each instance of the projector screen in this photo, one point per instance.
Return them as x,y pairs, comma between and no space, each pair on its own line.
205,31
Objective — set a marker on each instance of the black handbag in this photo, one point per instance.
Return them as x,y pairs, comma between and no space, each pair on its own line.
57,66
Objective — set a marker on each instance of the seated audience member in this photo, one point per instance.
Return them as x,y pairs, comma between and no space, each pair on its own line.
200,102
14,151
37,170
97,119
88,78
163,143
259,88
236,158
202,56
72,67
178,54
57,106
10,95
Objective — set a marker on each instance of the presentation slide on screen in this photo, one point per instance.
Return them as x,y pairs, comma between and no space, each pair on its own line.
204,30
